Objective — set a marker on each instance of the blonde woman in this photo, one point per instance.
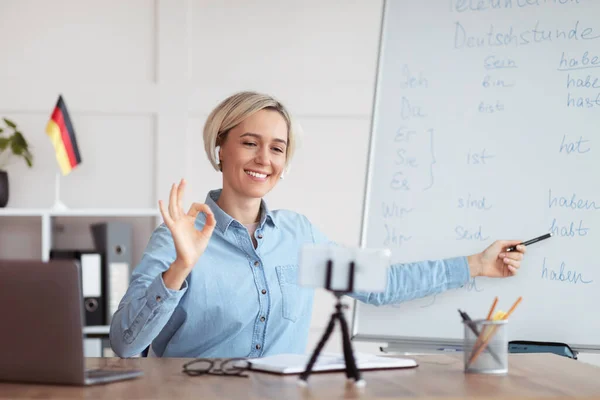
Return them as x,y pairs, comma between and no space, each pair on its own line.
220,280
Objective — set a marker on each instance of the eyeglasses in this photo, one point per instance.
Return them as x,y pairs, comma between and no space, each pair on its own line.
217,366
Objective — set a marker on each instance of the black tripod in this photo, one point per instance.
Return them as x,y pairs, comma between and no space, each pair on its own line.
352,371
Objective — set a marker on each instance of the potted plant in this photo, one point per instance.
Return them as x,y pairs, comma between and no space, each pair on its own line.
12,144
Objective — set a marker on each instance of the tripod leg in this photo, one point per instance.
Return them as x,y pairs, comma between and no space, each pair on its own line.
313,358
352,369
349,372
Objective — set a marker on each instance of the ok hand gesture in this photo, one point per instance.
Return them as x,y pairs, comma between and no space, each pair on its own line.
190,242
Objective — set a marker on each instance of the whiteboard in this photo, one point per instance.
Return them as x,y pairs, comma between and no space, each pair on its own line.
486,125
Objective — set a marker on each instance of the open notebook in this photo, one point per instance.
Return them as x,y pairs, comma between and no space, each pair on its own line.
296,363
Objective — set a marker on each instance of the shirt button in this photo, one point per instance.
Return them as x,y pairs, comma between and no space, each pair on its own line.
258,347
256,263
260,236
262,319
263,291
158,298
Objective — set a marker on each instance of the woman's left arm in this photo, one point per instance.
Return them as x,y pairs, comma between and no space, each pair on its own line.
413,280
420,279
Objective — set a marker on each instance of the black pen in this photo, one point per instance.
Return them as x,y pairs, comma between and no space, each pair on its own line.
532,241
469,322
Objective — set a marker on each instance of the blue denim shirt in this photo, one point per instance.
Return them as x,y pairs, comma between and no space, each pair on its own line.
239,301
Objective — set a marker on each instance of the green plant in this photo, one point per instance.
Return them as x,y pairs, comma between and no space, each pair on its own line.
13,143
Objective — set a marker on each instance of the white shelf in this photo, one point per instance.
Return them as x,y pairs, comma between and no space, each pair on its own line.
47,214
106,212
81,212
96,330
22,212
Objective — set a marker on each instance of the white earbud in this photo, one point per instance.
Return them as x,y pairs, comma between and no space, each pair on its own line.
282,175
217,154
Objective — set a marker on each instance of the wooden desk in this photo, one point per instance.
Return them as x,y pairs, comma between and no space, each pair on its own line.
530,375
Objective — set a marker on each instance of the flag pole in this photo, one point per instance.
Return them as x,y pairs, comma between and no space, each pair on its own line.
58,205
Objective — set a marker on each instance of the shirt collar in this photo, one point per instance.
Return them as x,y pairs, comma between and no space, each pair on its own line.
224,220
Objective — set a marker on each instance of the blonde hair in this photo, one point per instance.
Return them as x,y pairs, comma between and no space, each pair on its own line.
236,108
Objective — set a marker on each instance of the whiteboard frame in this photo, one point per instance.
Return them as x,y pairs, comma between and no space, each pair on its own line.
401,343
355,335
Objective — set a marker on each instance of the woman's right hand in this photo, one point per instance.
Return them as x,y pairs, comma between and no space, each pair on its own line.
190,242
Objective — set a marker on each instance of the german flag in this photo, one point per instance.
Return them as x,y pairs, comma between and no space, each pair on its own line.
61,133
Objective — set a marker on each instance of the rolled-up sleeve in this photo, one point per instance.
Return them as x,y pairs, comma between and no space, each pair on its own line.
148,304
412,280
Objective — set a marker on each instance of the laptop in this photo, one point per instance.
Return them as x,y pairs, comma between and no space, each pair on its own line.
41,325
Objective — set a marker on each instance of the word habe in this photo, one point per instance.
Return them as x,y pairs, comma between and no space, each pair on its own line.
583,62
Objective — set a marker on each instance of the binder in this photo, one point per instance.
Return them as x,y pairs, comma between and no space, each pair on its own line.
92,347
92,282
114,239
97,347
107,350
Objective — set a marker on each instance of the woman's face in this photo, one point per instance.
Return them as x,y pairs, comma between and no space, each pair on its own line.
253,154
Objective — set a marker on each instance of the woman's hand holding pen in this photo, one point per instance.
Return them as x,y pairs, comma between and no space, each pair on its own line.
190,242
495,261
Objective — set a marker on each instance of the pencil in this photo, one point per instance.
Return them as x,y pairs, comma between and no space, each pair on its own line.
491,335
485,327
492,308
513,307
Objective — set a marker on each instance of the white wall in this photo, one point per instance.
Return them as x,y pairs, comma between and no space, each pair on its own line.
140,77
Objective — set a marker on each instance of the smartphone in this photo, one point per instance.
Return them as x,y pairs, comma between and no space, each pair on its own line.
344,269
